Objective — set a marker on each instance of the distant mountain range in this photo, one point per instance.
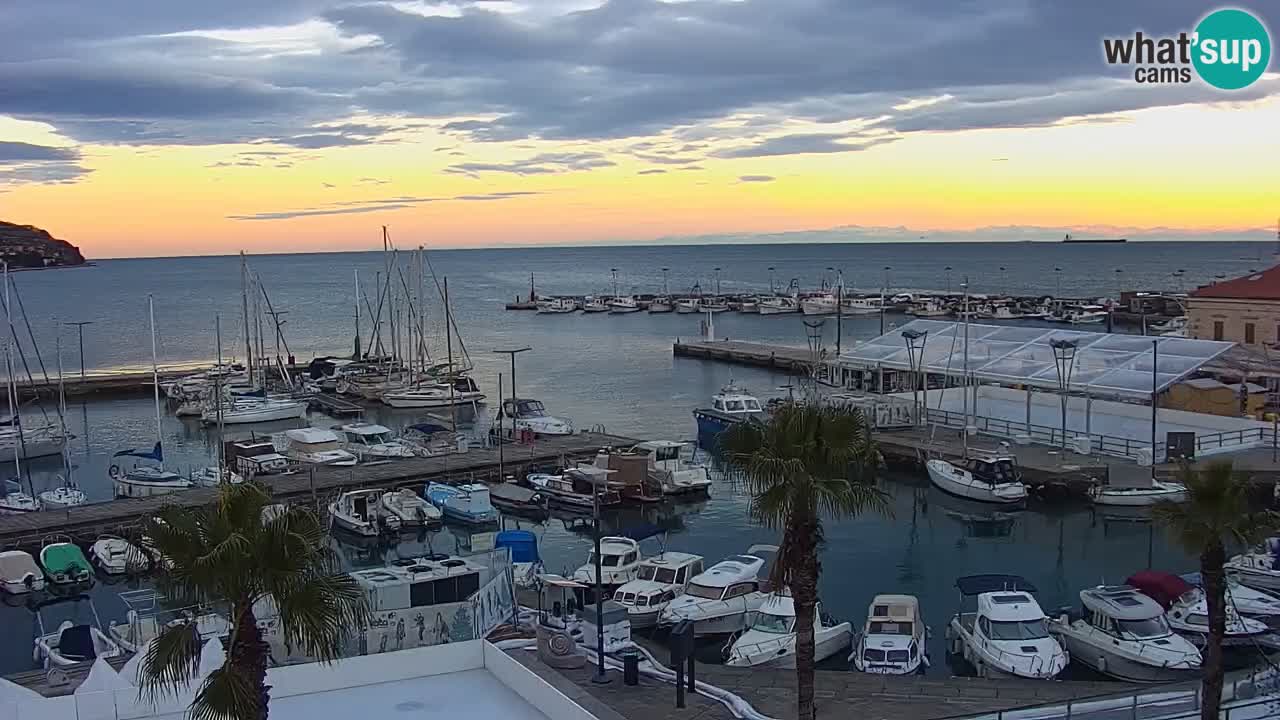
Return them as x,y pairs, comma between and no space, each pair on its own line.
27,246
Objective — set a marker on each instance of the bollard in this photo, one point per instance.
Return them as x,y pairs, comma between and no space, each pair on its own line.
681,648
630,667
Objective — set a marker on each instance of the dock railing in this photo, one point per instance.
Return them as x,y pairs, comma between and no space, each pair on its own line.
1042,434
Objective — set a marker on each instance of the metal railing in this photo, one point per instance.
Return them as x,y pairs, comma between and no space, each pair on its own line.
1042,434
1241,439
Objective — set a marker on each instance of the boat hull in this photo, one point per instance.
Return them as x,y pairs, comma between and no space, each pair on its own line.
287,411
1256,579
1137,498
124,487
411,401
1121,667
943,479
827,642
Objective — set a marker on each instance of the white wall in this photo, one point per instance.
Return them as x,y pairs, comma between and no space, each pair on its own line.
535,691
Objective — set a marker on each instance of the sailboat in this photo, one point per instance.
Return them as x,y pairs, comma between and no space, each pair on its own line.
68,494
13,500
148,480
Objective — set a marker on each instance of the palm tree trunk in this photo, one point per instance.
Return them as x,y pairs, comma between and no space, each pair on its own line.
804,594
1211,561
249,652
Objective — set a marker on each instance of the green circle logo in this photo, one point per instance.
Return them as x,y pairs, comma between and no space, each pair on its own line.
1232,49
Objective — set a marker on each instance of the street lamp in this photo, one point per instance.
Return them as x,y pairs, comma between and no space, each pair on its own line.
947,269
512,352
80,332
1064,359
772,289
1004,282
884,287
915,340
1057,294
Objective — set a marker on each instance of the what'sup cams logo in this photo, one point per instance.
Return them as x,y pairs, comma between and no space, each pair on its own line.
1229,49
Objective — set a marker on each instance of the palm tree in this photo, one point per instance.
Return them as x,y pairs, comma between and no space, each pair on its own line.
229,552
1217,514
806,463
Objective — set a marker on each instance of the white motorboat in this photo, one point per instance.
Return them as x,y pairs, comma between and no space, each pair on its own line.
993,479
1244,599
19,573
530,416
660,305
1122,633
580,488
64,496
117,556
15,501
869,305
721,600
243,410
430,440
369,441
1005,311
623,305
211,476
357,511
1140,496
676,475
749,304
1187,609
685,306
468,503
824,304
148,616
557,306
146,481
595,305
619,563
72,642
770,639
714,305
313,446
928,307
659,580
451,390
894,639
778,305
1086,315
411,510
1006,634
1259,568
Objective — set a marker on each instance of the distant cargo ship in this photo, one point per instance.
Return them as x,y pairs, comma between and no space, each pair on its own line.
1068,239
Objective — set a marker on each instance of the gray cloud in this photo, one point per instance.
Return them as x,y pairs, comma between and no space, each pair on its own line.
805,143
540,164
22,163
755,178
350,207
290,214
651,171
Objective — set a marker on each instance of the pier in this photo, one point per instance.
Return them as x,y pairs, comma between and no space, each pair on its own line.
121,516
775,357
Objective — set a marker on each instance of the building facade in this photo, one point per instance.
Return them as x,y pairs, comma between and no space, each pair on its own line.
1245,310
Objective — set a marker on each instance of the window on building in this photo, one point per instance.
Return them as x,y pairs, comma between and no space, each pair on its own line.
1217,329
1248,333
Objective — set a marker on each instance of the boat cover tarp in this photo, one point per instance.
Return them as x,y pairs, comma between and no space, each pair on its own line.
523,544
155,453
1163,587
63,557
428,428
978,584
76,643
16,564
643,531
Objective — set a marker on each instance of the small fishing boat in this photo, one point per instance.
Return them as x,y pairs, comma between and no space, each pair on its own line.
513,499
821,304
356,511
431,440
579,488
691,304
928,307
730,406
15,501
1139,496
451,390
411,510
894,639
661,304
1187,609
715,304
721,600
866,305
464,503
1259,568
619,563
531,416
1002,631
770,639
313,446
211,476
1246,601
557,306
659,580
675,475
64,564
595,305
749,304
369,441
993,479
117,556
146,480
63,496
1122,633
526,564
19,573
778,305
72,642
623,305
1086,315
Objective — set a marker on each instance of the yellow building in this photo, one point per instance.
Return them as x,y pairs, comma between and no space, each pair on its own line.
1245,310
1206,395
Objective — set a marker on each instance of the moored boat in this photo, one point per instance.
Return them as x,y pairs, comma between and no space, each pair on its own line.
463,503
770,639
993,479
721,600
1122,633
19,573
1005,634
1138,496
893,640
408,508
659,580
117,556
357,511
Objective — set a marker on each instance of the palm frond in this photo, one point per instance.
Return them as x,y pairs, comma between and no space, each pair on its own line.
319,613
229,693
172,660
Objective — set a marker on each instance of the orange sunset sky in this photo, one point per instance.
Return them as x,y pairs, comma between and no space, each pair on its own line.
307,126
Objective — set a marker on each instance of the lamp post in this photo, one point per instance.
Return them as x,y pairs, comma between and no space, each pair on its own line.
915,340
772,289
600,677
884,287
512,352
1004,280
80,332
947,270
1064,359
1057,293
1155,364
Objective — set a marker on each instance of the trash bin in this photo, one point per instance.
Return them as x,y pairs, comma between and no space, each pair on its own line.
630,667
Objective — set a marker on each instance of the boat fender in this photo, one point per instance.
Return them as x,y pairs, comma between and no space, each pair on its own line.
29,580
113,471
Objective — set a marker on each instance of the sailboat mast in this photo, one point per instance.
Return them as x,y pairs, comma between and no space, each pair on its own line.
965,375
357,309
155,369
448,344
11,392
217,390
244,305
62,413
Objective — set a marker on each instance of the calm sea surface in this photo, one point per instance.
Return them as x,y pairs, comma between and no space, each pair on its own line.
618,372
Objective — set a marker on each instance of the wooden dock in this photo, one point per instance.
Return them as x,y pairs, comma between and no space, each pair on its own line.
775,357
122,516
333,405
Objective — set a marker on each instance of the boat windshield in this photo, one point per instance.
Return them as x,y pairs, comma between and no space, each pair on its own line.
1154,627
646,572
704,591
766,622
880,627
531,408
1019,630
605,560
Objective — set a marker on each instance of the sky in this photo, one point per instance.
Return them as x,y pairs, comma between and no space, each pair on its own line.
158,128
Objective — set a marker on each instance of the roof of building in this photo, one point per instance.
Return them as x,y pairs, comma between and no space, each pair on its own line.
1264,285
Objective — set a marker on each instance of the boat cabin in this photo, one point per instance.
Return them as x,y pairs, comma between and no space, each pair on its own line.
1124,613
420,582
313,440
271,463
367,434
994,470
893,633
619,561
733,400
521,409
658,580
735,576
